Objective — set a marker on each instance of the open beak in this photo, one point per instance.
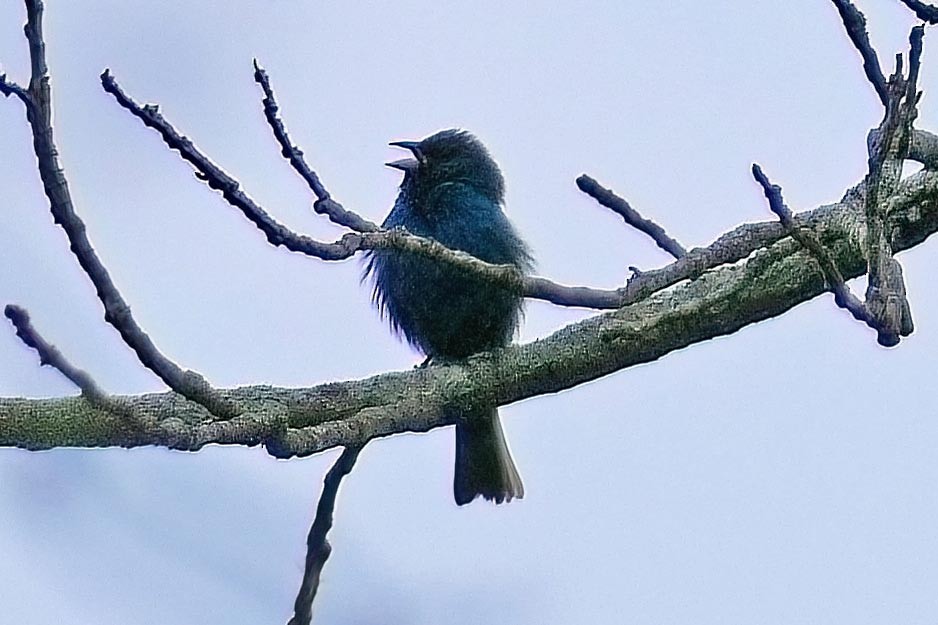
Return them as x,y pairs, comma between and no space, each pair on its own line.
407,164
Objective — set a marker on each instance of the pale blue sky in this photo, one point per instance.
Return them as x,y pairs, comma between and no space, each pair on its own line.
785,474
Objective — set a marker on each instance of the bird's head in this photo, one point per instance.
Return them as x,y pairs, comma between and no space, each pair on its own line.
450,156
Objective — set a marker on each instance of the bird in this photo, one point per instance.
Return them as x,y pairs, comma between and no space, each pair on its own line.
453,192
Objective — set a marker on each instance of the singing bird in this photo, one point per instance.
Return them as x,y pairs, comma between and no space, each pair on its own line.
453,192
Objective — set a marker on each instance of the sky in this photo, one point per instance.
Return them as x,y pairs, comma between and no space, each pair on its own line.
783,474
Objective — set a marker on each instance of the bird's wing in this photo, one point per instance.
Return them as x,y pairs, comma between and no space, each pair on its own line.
462,218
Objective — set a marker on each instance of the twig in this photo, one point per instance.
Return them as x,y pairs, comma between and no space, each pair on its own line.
50,355
610,200
925,12
855,23
8,88
90,391
116,311
324,203
835,280
318,548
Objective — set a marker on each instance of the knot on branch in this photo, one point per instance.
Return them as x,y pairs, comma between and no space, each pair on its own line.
325,206
193,385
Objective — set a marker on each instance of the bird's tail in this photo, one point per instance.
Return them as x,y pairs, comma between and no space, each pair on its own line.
483,462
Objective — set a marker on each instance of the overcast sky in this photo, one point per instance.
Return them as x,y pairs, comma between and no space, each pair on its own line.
784,474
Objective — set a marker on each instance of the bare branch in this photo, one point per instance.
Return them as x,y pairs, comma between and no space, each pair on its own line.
8,88
309,420
318,548
924,148
116,311
289,151
50,355
324,203
744,240
915,63
631,216
925,12
886,298
835,280
277,234
855,23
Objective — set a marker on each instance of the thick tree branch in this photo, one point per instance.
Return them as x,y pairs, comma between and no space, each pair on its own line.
116,311
306,421
924,148
318,548
631,216
886,298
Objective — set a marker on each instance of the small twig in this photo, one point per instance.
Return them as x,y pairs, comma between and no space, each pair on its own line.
51,356
835,280
324,203
925,12
8,88
116,311
619,205
855,23
318,548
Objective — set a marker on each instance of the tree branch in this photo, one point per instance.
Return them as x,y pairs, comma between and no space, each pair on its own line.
886,298
855,24
50,355
631,216
305,421
835,280
733,247
8,88
924,148
324,203
277,234
318,548
116,311
925,12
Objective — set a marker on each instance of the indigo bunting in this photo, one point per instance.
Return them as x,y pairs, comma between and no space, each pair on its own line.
452,192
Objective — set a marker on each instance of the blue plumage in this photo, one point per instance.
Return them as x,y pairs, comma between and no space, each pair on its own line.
452,192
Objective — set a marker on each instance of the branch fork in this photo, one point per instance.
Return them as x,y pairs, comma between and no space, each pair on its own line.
886,307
